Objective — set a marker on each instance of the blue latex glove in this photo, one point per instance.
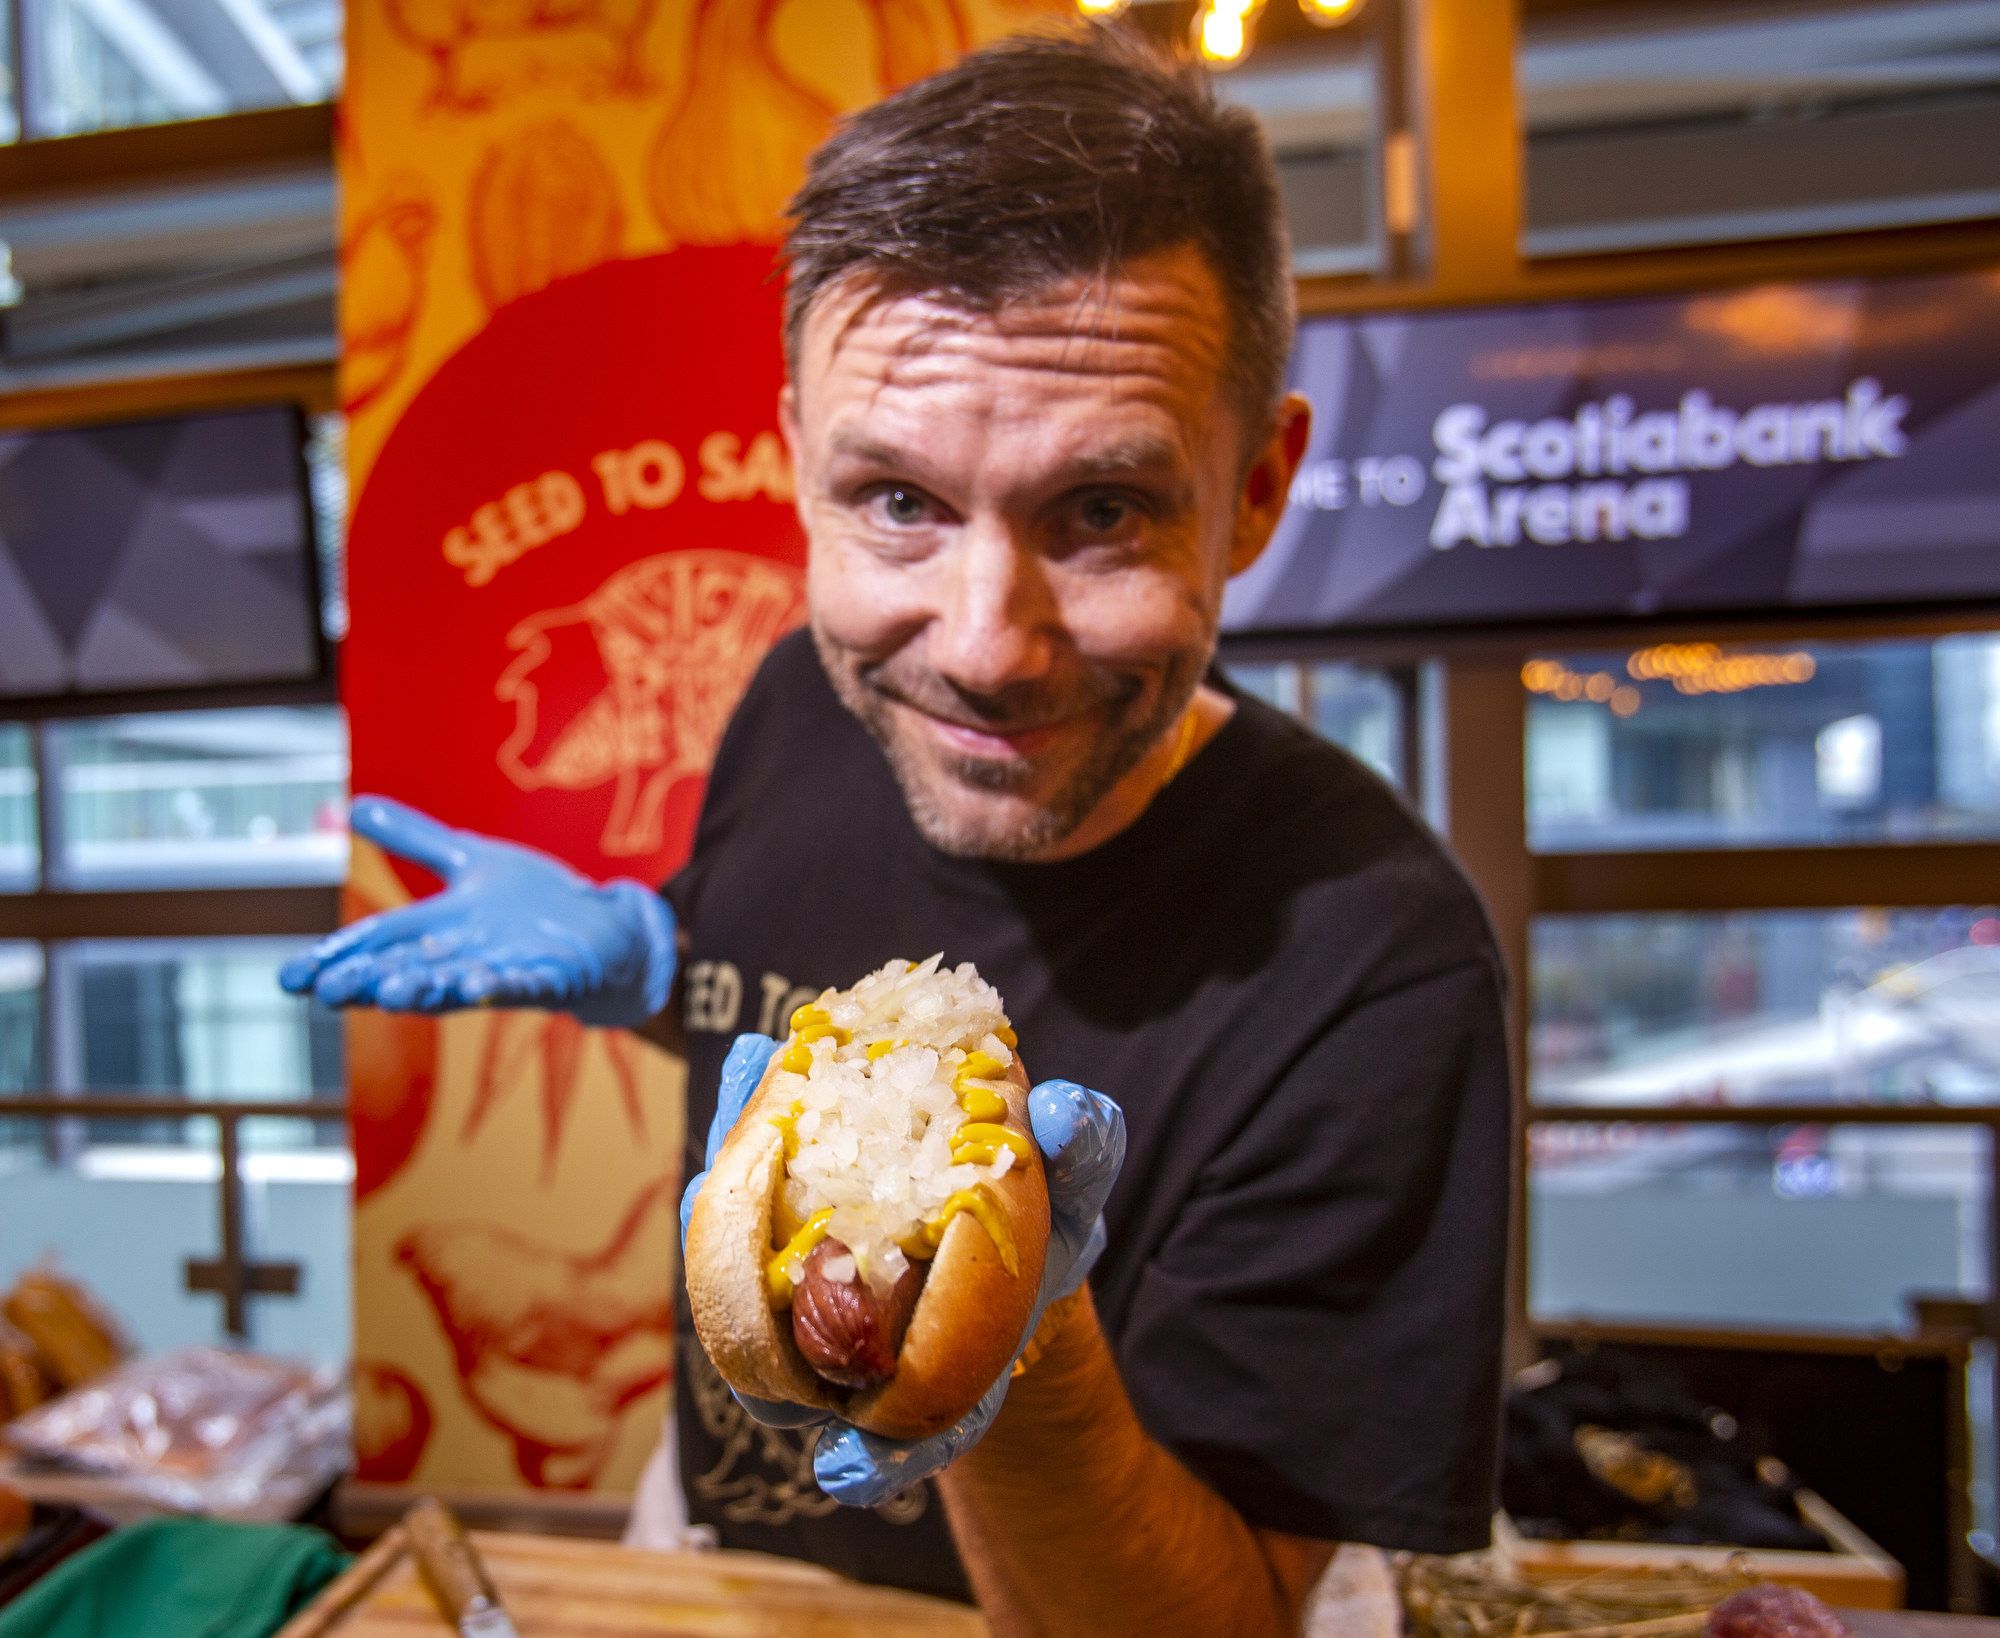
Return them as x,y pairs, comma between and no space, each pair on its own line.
512,928
1082,1138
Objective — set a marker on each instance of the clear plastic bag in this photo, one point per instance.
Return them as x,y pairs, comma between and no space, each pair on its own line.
197,1430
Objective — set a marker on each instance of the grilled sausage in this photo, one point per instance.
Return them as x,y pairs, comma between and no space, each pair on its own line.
848,1333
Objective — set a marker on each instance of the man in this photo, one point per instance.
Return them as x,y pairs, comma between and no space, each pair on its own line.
1038,318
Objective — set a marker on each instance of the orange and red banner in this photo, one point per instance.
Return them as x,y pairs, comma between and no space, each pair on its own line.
571,541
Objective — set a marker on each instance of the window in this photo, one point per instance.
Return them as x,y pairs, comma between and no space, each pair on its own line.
1795,1006
1359,708
218,800
1316,102
1694,745
94,66
125,1204
201,798
19,845
1686,125
202,1018
1814,1227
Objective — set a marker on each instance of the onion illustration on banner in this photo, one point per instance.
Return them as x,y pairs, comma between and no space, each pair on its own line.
383,269
480,52
914,38
734,147
543,205
392,1423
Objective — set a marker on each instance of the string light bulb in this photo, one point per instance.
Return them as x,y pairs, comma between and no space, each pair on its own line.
1331,13
1222,30
1101,8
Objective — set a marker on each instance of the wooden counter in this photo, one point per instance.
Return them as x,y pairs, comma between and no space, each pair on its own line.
556,1588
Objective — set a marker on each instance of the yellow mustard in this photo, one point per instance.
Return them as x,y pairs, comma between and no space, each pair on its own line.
978,1143
980,1103
788,1124
985,1211
781,1273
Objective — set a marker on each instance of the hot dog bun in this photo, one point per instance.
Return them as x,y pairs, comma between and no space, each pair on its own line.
968,1320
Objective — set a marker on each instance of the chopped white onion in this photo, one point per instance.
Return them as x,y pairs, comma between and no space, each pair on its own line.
874,1137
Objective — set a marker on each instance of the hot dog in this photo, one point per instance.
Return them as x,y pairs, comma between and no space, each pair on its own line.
871,1235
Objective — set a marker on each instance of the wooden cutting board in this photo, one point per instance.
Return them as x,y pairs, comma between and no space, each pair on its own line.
558,1588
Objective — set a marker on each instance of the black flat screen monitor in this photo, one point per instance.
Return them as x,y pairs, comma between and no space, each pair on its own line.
148,557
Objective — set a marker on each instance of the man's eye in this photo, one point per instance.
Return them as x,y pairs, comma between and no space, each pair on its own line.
1104,514
903,506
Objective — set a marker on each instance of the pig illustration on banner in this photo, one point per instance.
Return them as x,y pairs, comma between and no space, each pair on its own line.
660,653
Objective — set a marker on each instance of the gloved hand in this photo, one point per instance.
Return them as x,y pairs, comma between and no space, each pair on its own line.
1082,1138
512,928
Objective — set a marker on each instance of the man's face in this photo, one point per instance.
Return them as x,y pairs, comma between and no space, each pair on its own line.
1020,527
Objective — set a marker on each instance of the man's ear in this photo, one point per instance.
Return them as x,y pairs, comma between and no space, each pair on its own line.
1267,485
788,429
788,419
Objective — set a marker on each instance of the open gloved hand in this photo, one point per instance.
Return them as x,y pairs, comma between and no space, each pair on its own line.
512,928
1082,1138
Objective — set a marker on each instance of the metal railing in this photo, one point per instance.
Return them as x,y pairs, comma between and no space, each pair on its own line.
232,1274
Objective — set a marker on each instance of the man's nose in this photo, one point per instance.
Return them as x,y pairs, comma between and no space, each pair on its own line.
996,620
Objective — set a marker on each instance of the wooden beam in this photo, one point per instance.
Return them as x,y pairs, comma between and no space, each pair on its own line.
1769,878
179,152
310,385
1463,57
226,912
1943,248
1483,805
1763,1114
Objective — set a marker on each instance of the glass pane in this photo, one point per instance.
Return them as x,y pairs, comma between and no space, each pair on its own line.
23,1066
1357,707
1688,125
125,1221
1866,1006
200,1018
1688,745
142,62
10,115
1315,98
189,798
19,857
1814,1227
123,1204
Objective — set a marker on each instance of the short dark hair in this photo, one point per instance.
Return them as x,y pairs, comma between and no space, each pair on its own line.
1044,158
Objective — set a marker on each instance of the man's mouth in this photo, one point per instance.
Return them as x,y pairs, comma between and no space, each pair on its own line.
994,743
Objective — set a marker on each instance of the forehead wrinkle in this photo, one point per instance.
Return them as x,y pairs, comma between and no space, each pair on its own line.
1098,326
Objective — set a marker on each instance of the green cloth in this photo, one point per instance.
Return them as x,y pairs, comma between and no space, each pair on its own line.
179,1578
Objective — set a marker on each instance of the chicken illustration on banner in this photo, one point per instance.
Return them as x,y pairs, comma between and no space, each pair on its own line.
553,1348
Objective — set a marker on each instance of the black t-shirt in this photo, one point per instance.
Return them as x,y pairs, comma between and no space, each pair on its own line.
1294,997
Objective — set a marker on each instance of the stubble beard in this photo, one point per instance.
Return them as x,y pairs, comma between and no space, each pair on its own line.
1025,832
